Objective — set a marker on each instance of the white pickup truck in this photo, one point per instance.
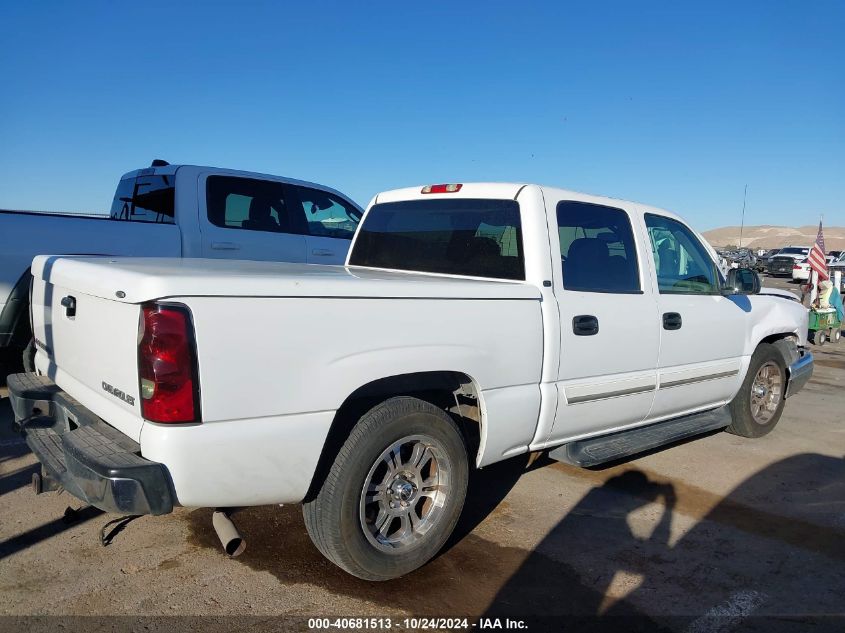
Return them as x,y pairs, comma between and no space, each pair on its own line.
471,323
178,211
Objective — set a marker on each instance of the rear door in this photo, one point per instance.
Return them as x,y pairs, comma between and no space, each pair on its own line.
249,218
702,332
608,322
330,223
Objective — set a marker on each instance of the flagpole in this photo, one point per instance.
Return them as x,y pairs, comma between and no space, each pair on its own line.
742,225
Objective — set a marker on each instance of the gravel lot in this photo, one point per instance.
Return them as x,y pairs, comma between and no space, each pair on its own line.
719,534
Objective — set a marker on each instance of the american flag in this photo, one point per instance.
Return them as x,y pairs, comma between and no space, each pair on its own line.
816,257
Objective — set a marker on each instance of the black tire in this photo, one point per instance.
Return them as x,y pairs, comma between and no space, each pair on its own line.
835,335
820,338
745,422
337,517
28,356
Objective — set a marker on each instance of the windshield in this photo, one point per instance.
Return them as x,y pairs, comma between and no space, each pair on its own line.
476,238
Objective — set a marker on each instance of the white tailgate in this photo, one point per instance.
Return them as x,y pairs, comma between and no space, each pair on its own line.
93,355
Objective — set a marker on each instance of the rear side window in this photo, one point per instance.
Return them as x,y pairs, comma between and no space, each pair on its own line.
476,238
252,205
326,214
597,248
145,199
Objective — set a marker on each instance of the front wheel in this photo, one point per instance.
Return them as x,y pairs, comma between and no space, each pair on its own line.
758,406
394,493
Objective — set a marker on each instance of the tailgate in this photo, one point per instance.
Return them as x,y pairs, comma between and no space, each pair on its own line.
88,346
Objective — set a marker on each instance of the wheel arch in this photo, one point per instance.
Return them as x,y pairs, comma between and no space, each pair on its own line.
456,392
786,343
14,320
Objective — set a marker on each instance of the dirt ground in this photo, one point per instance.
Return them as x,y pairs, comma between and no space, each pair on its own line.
718,534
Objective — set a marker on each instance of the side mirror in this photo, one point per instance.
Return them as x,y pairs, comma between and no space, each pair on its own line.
742,281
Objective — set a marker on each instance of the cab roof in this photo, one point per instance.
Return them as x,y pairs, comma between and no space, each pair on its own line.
511,191
170,170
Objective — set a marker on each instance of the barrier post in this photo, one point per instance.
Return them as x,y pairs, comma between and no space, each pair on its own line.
814,286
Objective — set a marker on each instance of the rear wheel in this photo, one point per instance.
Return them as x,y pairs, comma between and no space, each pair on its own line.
758,406
820,338
394,492
835,335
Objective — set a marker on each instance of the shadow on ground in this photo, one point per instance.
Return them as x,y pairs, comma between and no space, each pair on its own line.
743,554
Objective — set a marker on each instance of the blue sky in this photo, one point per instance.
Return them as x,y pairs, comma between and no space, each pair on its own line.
673,104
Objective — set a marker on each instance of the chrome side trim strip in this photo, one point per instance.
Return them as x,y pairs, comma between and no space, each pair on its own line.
610,394
689,381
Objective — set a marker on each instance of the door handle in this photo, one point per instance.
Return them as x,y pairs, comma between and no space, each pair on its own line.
672,321
225,246
585,325
322,252
69,304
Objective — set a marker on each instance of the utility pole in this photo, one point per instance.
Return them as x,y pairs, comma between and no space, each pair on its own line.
742,226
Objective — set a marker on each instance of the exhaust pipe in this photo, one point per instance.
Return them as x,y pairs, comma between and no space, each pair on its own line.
232,541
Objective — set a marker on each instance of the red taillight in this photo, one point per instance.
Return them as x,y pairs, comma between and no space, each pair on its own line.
452,188
166,367
796,267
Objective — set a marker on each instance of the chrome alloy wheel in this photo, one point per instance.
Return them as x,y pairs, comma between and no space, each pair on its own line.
404,493
766,392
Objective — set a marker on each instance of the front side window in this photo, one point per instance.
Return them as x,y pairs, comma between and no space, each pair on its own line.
326,215
476,238
597,248
145,199
683,264
250,204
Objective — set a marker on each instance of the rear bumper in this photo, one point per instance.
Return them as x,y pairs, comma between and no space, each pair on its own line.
78,451
798,373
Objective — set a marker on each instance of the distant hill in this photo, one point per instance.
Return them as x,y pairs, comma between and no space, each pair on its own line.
776,236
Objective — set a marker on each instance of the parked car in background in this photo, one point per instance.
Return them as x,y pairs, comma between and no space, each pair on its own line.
835,254
764,259
781,264
478,322
801,270
741,258
178,211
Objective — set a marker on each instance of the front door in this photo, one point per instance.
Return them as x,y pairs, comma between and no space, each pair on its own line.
702,332
330,223
608,318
